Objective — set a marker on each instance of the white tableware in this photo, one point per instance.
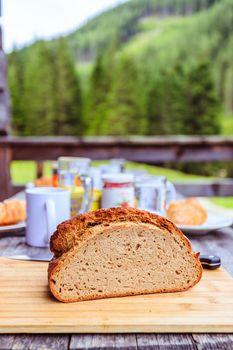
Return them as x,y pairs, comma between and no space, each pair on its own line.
214,222
46,208
16,227
154,193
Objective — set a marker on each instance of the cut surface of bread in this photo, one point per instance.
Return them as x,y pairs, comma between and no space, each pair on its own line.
124,258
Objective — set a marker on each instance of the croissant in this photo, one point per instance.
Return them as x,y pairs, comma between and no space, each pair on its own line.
12,212
187,212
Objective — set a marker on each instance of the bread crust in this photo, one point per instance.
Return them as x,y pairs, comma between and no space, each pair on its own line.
72,234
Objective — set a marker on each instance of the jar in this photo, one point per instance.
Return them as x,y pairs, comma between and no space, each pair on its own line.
118,191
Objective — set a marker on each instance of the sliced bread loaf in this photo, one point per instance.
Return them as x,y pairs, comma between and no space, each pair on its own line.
119,252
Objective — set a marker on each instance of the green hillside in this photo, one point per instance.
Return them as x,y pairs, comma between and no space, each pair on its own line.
144,67
124,22
208,35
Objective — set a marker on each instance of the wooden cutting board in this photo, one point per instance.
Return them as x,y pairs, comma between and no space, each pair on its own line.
27,306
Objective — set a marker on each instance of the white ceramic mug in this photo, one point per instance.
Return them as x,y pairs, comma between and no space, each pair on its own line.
46,208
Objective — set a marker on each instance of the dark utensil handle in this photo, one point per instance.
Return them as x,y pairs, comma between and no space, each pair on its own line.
210,262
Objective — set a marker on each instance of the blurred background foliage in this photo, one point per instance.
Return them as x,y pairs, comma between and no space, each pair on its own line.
146,67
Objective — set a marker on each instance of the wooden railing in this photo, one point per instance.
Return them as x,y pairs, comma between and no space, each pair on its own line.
150,150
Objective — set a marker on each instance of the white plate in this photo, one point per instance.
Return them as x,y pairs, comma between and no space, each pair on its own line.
16,227
214,222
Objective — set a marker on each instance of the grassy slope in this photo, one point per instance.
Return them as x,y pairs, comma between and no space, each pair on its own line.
210,32
121,23
226,202
227,125
153,30
23,172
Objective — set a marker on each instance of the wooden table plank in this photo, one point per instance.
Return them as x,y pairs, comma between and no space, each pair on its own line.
103,341
93,341
213,341
22,341
51,342
165,342
16,245
34,342
6,342
126,341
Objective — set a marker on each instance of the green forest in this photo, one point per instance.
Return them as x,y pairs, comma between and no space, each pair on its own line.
146,67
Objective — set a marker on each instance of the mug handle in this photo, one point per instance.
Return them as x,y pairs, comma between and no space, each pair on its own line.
171,193
87,183
50,218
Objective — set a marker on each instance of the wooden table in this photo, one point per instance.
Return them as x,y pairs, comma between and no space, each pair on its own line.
217,243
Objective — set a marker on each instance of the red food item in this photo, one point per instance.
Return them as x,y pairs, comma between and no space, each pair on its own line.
117,185
55,180
124,204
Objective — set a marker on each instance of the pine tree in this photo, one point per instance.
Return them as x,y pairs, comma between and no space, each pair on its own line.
96,115
16,86
155,113
125,114
67,91
38,98
204,108
166,106
175,105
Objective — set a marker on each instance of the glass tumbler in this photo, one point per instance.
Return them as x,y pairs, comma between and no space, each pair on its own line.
153,193
73,175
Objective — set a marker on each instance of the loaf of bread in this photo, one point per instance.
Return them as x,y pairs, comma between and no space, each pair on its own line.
119,252
187,212
12,212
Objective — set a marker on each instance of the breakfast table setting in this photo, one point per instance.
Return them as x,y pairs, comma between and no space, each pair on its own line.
121,274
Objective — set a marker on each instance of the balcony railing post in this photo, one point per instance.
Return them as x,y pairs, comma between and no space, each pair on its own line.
5,177
5,110
39,168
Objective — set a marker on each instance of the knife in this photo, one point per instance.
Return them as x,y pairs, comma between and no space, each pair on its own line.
210,262
37,257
